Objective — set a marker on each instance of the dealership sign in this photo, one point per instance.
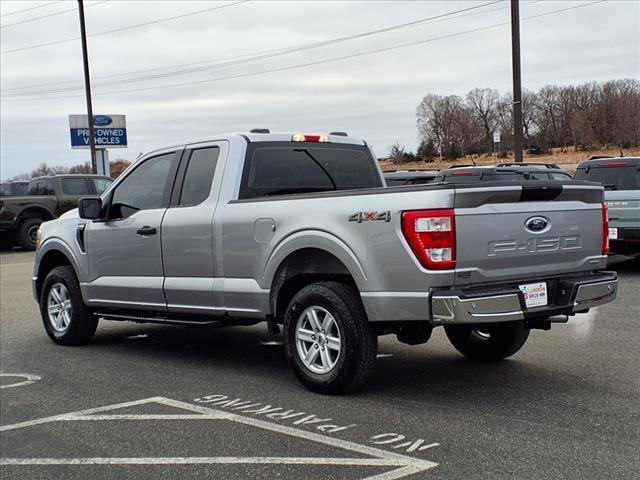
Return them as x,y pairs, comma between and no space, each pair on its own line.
109,131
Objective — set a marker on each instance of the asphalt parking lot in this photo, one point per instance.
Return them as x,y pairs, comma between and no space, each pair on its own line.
149,401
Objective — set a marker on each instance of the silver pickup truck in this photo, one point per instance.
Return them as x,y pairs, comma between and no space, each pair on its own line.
301,232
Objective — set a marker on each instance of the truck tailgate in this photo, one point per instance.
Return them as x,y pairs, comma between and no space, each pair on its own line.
537,230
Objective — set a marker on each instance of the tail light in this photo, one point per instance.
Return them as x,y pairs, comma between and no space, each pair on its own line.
431,234
304,137
613,164
605,230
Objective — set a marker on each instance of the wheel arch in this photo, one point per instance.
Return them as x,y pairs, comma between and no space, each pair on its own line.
309,259
34,211
51,255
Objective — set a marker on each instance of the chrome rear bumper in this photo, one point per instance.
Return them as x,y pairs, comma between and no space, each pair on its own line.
570,296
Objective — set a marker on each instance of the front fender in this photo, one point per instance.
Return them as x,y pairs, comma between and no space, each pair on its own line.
58,245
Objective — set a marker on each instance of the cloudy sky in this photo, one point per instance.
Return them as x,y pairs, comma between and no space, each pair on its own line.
224,69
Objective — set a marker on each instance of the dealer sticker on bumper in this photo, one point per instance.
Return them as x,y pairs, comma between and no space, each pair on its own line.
613,233
535,294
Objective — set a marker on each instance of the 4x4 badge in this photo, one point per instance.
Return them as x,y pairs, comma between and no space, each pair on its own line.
370,216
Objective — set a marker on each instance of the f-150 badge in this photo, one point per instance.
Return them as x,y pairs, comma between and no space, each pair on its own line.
370,216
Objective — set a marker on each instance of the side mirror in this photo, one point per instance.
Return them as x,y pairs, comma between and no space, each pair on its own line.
90,208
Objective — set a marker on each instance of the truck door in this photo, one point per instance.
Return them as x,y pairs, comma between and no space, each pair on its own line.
188,237
125,257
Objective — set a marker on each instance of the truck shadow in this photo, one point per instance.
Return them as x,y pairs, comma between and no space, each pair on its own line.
623,264
425,373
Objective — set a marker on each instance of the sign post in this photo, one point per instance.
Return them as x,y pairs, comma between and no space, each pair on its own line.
102,162
108,130
496,139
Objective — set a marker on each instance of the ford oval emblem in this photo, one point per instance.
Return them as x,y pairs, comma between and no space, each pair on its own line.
537,224
102,120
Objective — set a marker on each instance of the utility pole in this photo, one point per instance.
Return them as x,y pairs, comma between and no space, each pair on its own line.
87,86
517,85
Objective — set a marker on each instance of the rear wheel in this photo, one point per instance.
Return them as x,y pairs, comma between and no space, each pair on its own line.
66,318
488,342
28,233
328,340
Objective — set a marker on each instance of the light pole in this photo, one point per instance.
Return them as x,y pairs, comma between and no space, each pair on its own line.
87,86
517,86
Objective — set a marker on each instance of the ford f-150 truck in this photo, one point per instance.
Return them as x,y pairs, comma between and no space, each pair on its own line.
301,232
621,180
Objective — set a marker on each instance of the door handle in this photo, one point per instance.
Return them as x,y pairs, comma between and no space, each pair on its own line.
146,230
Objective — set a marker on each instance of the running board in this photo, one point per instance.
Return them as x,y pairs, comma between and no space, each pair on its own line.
157,319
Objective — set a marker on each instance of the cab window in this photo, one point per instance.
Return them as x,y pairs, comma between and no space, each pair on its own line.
199,176
144,188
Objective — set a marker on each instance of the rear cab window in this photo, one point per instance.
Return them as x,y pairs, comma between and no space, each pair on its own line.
281,168
613,175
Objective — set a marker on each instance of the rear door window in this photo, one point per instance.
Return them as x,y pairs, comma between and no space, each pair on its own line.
272,169
559,176
199,176
75,186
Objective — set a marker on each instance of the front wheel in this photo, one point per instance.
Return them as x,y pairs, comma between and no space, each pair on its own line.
488,342
66,318
328,340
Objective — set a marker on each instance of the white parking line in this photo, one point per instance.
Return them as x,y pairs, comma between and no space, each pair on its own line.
28,379
405,465
367,462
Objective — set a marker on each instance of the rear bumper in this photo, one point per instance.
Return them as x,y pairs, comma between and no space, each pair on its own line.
506,303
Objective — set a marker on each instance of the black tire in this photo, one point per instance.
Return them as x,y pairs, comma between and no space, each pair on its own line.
488,342
26,234
355,362
82,324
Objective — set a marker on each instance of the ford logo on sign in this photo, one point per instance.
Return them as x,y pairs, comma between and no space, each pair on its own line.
102,120
537,224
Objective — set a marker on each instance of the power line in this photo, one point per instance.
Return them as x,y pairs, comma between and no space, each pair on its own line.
129,27
270,53
30,8
49,15
318,62
250,57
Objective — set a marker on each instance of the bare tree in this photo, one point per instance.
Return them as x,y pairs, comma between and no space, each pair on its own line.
441,119
84,168
483,104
